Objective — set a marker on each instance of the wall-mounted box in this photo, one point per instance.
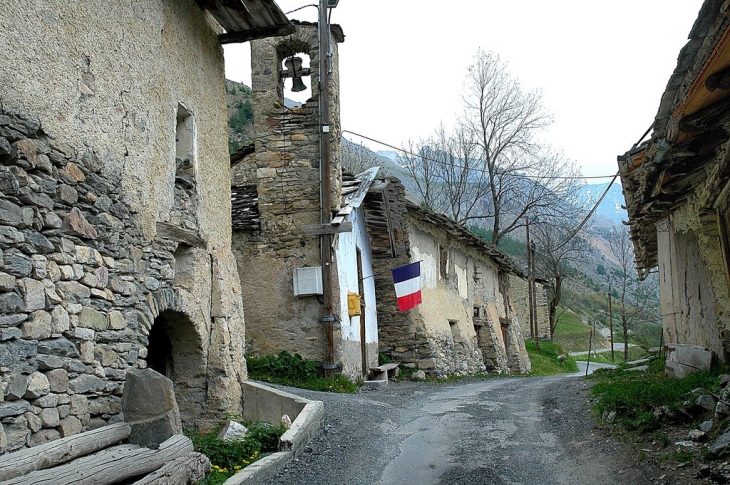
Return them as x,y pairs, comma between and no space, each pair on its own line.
308,281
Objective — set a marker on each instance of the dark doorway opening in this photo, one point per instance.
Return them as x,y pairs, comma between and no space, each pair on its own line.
159,350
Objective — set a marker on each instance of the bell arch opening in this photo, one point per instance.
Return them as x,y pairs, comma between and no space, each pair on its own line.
175,351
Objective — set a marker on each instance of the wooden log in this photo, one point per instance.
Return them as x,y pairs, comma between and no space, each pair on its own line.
185,470
57,452
108,466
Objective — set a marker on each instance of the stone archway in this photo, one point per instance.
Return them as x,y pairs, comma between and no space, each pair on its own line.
175,350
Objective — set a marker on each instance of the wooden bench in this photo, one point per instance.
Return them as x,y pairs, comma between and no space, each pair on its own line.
385,371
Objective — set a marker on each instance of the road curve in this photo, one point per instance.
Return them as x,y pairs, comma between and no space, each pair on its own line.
488,431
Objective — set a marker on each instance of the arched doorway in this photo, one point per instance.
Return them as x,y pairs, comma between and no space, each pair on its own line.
175,351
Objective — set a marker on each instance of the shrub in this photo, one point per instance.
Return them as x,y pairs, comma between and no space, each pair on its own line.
292,370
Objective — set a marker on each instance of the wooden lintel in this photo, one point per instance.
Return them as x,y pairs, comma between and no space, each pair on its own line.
257,33
322,229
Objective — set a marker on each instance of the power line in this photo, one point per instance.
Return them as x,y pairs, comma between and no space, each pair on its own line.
573,177
305,6
587,217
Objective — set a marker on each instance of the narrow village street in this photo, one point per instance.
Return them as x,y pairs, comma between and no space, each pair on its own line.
492,431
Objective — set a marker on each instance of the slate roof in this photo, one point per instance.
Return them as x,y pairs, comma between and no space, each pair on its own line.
689,128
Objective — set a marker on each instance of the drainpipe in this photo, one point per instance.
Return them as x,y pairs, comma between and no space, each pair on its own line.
325,190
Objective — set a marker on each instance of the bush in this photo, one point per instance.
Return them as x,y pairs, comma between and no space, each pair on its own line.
292,370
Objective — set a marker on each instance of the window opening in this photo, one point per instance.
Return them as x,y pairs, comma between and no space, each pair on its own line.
443,262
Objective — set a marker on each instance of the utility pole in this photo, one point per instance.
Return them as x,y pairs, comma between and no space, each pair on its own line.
610,319
533,334
325,189
531,287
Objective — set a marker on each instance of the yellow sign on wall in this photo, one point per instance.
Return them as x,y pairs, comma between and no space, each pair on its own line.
353,304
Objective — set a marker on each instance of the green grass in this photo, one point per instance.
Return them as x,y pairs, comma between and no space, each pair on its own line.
545,362
634,395
229,457
292,370
573,335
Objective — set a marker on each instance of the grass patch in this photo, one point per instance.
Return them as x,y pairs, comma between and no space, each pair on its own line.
634,395
292,370
573,335
229,457
546,362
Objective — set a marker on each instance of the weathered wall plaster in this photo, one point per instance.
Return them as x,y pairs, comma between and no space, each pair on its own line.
96,246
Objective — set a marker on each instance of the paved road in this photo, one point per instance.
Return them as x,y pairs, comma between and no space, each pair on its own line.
617,347
493,431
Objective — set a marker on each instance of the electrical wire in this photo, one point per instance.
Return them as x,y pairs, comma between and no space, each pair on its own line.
588,216
573,177
305,6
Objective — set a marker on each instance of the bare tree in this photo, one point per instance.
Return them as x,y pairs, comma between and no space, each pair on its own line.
423,167
636,300
524,177
559,250
357,158
448,174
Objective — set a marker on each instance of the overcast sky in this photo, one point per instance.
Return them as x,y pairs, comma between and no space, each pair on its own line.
602,66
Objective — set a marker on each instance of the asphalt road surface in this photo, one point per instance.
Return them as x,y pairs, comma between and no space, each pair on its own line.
491,431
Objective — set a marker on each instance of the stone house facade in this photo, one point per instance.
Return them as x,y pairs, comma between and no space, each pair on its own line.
114,220
276,191
519,289
677,186
466,323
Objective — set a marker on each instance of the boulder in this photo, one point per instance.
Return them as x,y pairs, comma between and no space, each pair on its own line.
149,406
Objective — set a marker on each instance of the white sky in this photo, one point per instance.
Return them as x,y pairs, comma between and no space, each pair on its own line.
601,65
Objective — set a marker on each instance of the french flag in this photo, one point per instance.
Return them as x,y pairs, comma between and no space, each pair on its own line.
407,281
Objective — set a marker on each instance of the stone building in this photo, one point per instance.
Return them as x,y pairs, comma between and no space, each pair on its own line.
466,323
677,190
276,192
519,291
114,215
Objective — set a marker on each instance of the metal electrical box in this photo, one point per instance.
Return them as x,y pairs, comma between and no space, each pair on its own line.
308,281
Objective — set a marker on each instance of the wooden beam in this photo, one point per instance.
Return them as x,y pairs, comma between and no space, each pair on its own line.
112,465
189,468
257,33
322,229
54,453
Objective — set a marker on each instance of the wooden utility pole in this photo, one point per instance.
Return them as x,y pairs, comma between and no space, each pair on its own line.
531,287
610,320
325,188
533,334
590,344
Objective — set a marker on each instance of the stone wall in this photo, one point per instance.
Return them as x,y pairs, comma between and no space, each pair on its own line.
114,255
285,171
444,335
519,291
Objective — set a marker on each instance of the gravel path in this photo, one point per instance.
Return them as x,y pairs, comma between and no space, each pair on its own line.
491,431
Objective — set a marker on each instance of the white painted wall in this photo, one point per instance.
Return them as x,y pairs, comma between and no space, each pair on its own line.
346,253
427,251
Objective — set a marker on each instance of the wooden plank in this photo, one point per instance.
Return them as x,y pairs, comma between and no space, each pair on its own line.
321,229
112,465
57,452
186,469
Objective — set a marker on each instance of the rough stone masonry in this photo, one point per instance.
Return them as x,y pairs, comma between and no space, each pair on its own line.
114,215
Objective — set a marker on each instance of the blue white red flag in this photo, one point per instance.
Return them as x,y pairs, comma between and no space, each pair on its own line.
407,281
